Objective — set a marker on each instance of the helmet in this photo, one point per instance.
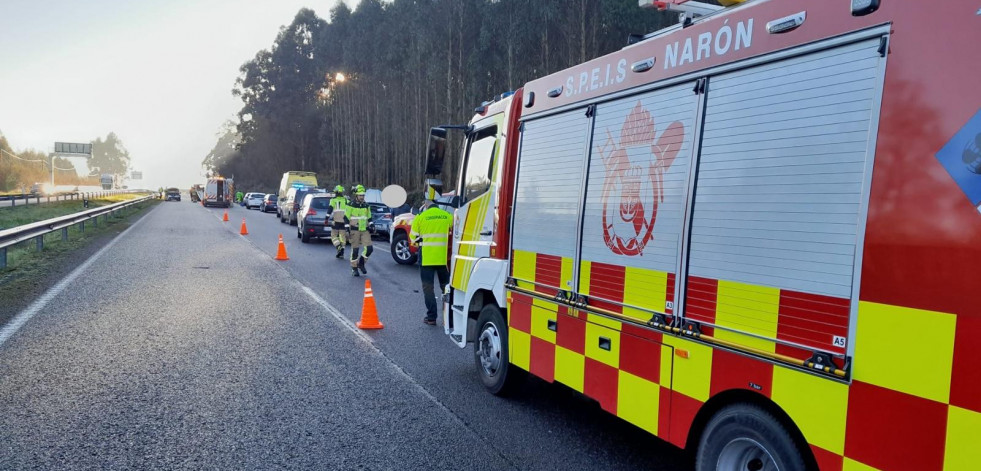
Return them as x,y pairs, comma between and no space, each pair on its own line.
339,189
359,190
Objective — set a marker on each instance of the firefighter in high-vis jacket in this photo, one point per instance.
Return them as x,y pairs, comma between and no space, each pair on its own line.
338,220
431,230
359,215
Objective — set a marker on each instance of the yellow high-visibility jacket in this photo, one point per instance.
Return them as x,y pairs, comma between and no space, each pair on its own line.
432,229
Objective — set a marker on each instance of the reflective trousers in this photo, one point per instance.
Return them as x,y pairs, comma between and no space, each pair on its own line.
360,246
338,236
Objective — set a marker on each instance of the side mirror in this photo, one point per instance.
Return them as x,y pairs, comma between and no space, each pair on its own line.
436,152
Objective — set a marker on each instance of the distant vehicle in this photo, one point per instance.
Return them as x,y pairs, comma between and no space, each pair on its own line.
403,252
311,216
268,203
172,194
253,200
289,207
195,192
106,180
218,192
296,179
36,189
381,218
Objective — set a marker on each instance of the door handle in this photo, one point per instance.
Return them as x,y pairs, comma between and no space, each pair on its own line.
485,233
552,325
604,343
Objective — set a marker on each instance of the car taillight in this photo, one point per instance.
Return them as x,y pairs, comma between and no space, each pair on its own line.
311,212
388,216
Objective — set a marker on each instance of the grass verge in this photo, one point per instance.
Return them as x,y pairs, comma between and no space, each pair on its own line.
29,272
11,217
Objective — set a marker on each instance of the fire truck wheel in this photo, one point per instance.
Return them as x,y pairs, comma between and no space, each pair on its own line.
490,351
744,436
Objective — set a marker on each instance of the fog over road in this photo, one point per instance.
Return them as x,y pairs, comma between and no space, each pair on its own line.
185,345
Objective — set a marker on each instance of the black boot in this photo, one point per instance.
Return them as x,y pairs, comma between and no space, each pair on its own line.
361,266
340,252
354,271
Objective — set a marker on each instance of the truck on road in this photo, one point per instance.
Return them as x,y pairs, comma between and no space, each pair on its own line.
218,192
754,234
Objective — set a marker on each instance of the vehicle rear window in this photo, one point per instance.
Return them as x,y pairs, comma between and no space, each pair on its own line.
272,197
320,203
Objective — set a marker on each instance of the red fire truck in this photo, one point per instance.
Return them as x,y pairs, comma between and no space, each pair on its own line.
755,234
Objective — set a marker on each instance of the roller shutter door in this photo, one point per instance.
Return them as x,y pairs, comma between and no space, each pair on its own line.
548,192
635,201
779,195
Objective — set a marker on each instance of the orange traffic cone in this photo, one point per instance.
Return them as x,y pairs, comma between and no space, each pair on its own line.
244,230
369,315
281,254
225,217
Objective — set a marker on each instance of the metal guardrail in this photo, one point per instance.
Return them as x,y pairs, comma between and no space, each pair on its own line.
37,198
37,230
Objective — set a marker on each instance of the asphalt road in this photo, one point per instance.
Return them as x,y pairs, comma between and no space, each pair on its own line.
203,352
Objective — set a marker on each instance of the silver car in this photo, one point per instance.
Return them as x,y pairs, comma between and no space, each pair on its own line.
253,200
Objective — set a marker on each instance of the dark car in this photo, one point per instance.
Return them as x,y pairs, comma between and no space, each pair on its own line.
173,194
289,208
268,203
381,219
310,219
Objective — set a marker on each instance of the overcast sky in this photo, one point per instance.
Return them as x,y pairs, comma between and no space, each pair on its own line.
157,73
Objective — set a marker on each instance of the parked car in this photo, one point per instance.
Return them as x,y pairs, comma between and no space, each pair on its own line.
403,252
381,218
290,206
253,200
310,218
268,203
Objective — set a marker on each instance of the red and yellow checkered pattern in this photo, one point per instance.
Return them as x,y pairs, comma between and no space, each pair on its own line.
914,401
810,320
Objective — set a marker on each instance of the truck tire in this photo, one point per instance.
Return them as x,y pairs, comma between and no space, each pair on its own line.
400,249
745,436
490,353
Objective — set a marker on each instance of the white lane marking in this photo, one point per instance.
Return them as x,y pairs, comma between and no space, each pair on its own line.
391,364
17,322
335,313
